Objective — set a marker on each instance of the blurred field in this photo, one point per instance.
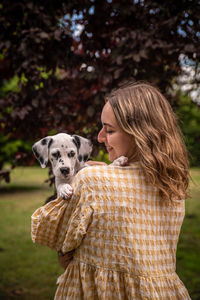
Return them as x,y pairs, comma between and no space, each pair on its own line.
188,254
29,271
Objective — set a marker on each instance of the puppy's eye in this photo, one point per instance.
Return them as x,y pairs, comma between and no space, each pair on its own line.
71,154
56,155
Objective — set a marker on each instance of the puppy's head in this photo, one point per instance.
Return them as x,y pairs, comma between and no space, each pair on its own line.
66,153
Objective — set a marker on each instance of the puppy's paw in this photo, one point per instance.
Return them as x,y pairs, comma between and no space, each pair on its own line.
120,161
65,191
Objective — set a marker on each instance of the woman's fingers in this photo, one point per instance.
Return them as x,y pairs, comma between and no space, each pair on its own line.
64,259
66,255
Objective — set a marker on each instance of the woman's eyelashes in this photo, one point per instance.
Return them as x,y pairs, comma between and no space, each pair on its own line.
109,131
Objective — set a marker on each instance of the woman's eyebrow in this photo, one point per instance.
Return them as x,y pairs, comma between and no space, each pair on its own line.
107,124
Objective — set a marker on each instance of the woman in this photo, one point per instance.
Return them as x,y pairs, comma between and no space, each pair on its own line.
124,222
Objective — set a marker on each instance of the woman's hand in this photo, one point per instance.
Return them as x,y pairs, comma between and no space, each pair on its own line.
64,259
95,163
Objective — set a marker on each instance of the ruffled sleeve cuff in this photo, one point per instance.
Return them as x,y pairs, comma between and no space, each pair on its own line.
45,223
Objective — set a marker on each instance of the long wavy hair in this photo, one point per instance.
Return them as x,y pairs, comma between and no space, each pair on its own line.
143,112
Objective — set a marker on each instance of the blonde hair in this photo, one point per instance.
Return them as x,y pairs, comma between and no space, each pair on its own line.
143,112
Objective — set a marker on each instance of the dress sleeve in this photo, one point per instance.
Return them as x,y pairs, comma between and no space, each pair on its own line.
62,224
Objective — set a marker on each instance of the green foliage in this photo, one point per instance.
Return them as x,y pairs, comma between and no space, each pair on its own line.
52,132
102,156
11,85
189,116
45,74
12,149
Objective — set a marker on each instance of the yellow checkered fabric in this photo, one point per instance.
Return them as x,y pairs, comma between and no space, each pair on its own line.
125,237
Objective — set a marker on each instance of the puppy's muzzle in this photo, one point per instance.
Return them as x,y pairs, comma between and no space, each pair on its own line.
65,171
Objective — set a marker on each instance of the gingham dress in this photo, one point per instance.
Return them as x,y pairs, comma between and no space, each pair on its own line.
124,236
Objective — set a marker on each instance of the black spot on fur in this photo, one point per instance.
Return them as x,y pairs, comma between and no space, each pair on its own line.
50,143
35,152
41,159
44,141
80,158
76,141
85,157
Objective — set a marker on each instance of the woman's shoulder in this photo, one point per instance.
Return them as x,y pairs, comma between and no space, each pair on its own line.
88,175
91,172
101,172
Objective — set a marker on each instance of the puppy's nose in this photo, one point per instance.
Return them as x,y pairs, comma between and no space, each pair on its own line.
65,171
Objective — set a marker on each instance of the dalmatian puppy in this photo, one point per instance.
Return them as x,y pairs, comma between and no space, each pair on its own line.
68,155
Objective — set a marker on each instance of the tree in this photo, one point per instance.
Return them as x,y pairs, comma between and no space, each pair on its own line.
64,75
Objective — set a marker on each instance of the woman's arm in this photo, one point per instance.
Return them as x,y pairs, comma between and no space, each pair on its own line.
61,224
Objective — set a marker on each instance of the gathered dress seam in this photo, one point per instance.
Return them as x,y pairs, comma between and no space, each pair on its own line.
121,271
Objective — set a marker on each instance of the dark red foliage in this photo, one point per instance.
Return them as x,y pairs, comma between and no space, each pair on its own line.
120,39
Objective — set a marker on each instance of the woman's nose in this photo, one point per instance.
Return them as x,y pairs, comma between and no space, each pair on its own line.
101,136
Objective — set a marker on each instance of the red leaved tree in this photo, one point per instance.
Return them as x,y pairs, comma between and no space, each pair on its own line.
69,54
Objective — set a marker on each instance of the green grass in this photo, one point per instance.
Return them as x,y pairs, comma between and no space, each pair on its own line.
188,253
29,271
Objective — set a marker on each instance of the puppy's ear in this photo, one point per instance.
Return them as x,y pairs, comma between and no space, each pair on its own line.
84,147
41,150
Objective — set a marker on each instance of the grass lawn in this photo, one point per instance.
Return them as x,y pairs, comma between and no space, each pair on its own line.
29,271
188,254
